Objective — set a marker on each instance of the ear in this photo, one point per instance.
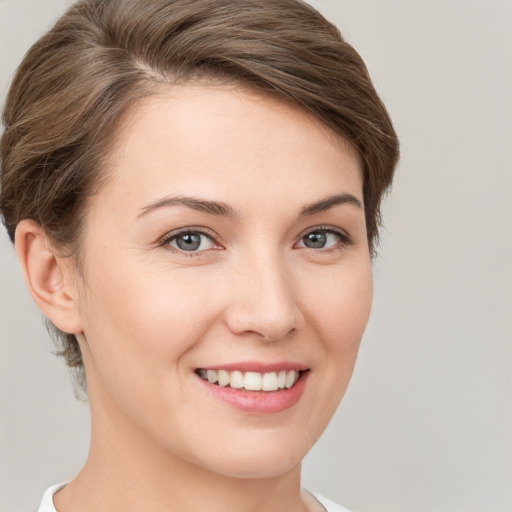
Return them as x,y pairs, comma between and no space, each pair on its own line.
49,279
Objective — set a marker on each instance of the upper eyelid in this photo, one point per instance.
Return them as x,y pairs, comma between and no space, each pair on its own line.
344,240
330,229
189,229
324,228
216,238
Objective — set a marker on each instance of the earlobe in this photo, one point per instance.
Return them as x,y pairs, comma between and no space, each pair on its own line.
47,279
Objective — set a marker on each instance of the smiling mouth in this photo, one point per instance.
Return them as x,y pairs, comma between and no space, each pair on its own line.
252,381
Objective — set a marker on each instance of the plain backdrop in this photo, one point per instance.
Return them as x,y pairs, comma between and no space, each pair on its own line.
426,424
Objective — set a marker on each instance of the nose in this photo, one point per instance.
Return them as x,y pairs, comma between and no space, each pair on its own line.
263,299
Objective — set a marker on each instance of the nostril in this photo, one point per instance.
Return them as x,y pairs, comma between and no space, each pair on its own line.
268,328
262,300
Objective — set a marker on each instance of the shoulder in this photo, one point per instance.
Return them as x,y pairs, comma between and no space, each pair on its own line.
329,505
47,501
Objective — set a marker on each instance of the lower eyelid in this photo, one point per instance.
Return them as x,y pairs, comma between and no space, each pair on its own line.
168,237
344,238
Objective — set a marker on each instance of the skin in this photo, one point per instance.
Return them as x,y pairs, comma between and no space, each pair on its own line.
148,314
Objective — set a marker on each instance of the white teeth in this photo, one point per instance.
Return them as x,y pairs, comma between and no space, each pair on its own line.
290,379
252,381
211,376
236,380
223,377
269,382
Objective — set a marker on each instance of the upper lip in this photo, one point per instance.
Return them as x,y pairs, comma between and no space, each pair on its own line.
258,366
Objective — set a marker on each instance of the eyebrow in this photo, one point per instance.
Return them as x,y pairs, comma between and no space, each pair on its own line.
330,202
224,210
196,203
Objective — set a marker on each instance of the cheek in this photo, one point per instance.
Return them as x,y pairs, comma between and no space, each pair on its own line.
137,321
339,316
340,306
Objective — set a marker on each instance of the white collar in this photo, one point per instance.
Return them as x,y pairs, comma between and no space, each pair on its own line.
48,506
47,501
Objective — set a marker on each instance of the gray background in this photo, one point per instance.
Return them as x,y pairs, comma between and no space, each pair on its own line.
427,422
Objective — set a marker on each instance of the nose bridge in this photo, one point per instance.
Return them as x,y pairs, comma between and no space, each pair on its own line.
264,301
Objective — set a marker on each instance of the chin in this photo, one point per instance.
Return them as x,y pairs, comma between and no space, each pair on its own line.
257,458
259,467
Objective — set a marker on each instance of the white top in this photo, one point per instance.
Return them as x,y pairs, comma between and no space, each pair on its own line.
48,506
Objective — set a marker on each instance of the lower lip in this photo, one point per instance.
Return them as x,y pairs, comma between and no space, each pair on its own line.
259,402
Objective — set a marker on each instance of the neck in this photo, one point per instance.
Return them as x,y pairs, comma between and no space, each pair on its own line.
128,472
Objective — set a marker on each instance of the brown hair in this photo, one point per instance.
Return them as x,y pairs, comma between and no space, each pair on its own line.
102,55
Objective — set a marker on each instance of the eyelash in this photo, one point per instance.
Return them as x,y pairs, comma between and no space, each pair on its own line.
344,239
167,239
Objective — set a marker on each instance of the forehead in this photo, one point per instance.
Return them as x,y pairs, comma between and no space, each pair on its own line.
212,140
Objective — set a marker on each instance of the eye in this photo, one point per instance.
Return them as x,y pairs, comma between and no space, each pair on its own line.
324,239
190,241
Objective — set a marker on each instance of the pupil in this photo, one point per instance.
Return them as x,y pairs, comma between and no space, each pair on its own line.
315,240
189,241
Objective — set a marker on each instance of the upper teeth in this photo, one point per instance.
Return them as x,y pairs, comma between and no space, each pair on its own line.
252,381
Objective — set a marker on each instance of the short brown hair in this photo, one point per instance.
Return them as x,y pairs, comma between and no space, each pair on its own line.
102,55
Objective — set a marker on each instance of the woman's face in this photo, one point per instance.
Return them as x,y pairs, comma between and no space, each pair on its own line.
230,238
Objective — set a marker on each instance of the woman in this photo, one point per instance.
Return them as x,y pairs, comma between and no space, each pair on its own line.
193,190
